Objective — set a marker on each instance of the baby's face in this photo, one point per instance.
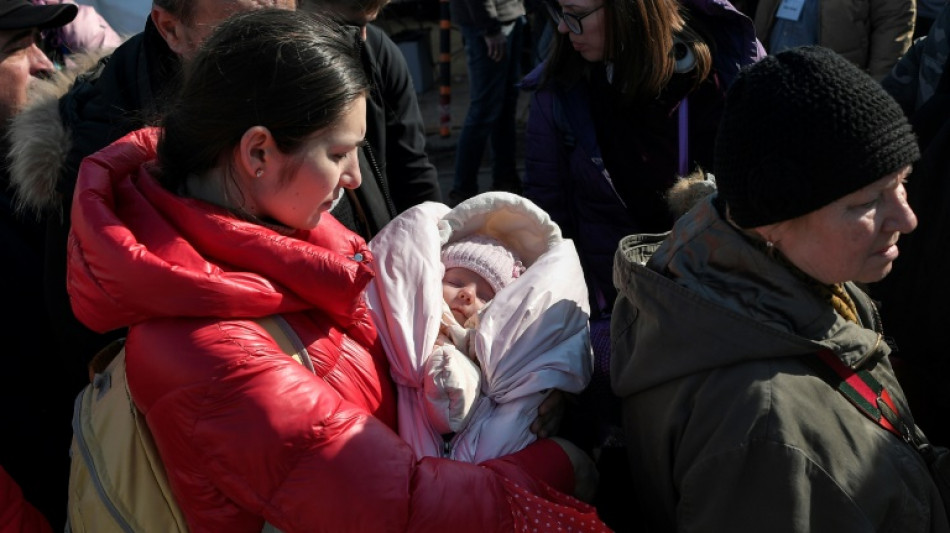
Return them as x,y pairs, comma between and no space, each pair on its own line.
466,292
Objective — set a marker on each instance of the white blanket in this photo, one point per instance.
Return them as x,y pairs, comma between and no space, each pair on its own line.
532,337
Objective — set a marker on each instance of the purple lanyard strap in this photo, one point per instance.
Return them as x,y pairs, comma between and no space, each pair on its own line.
683,131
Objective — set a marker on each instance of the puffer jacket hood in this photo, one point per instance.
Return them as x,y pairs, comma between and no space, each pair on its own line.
765,302
161,244
39,141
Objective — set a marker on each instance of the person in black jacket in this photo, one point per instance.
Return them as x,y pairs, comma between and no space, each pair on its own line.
395,152
35,457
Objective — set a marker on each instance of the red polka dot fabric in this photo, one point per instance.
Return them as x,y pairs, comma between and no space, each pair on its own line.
551,511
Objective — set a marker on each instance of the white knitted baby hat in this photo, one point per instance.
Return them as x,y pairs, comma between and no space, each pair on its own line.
484,256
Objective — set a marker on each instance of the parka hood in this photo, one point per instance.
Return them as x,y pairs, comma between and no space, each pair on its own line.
139,252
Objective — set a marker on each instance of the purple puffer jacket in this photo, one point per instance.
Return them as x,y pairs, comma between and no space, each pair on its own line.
564,167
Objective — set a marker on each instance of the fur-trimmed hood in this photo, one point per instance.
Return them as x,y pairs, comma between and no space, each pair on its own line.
39,141
689,190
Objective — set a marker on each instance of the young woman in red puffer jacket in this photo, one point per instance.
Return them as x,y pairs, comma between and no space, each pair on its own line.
187,233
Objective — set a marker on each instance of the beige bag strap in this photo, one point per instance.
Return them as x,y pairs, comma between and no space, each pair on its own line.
285,337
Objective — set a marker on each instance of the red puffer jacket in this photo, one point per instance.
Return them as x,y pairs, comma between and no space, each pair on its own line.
246,433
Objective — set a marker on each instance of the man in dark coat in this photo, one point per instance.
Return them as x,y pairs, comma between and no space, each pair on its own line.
33,452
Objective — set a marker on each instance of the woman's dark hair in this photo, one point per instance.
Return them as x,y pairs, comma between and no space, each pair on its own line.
291,72
638,41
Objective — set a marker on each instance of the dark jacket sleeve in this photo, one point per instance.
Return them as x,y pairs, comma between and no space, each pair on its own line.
411,177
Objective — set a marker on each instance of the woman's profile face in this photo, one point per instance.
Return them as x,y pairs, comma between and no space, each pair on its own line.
300,187
590,43
855,237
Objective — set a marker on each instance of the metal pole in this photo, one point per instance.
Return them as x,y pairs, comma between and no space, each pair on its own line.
445,67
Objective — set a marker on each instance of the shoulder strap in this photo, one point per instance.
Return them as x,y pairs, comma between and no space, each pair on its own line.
682,129
871,398
275,325
867,394
285,337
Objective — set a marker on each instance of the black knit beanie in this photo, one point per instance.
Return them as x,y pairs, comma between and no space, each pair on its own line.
801,129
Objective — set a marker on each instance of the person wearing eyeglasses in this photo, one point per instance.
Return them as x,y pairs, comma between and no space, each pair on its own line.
628,99
492,31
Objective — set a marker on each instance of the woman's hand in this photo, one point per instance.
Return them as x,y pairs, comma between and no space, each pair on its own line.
550,413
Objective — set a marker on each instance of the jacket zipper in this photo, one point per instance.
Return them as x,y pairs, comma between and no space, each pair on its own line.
367,148
380,179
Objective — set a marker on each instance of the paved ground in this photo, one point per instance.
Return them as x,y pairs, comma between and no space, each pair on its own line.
441,148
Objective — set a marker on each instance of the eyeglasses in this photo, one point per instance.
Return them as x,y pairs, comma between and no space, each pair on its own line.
572,21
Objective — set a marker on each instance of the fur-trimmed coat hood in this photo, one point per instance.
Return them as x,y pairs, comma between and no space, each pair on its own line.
39,141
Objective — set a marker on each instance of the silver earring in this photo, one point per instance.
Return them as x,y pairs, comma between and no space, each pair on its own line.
259,173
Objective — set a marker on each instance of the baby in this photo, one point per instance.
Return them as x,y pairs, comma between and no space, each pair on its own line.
476,268
483,311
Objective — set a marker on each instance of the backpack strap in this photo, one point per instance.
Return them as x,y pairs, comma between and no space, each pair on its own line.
275,325
285,337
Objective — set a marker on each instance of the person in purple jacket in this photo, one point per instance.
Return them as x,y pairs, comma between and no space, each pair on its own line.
628,100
